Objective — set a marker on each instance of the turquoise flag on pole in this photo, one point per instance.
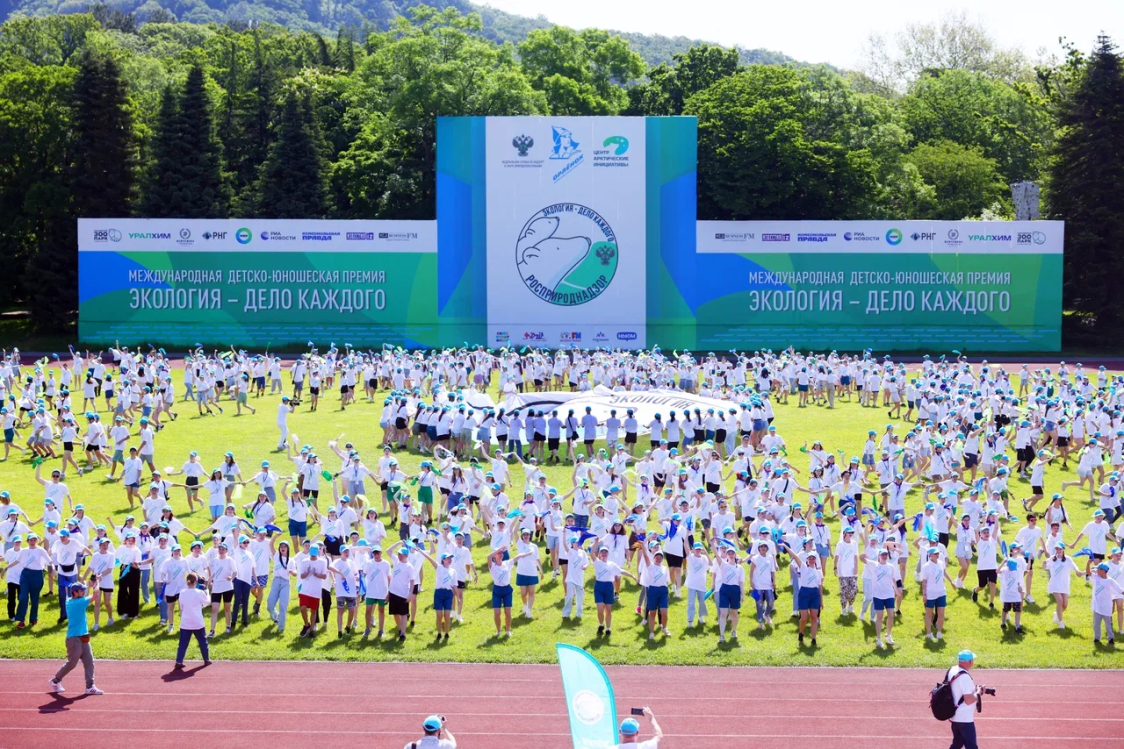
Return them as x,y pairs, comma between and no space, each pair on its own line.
589,699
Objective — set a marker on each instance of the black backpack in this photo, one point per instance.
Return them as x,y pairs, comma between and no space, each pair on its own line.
941,701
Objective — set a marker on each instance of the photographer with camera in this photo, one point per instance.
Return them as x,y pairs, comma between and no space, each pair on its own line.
436,735
630,730
965,696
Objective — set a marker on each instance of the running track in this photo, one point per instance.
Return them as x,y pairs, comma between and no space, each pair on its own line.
254,705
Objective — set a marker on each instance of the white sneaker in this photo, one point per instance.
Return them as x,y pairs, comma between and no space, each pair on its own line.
56,687
1061,624
878,643
890,640
109,623
170,629
94,690
651,635
667,632
939,635
1029,599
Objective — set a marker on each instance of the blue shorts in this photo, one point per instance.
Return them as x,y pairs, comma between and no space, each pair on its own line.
501,596
552,542
581,521
845,380
760,425
936,603
808,599
822,551
883,604
443,599
868,459
656,597
730,597
522,580
603,592
802,388
216,511
260,581
298,528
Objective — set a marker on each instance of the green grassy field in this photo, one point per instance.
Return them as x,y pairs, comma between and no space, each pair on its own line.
842,641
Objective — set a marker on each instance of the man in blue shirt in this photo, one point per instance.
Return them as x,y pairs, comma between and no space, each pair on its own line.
77,640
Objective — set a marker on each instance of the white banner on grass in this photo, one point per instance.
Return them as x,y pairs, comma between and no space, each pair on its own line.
645,404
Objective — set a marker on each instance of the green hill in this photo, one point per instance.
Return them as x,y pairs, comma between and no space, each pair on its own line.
326,16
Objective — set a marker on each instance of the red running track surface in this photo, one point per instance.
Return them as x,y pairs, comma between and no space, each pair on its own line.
254,705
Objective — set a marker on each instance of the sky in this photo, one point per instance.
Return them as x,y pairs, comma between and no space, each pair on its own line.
838,29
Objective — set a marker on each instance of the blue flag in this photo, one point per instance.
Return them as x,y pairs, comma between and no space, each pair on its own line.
589,699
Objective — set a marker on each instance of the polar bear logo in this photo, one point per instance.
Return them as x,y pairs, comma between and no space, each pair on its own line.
547,257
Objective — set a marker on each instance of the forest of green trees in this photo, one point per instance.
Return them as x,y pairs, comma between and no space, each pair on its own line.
103,115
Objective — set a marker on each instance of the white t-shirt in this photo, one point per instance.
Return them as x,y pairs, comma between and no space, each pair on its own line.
696,571
377,576
932,574
965,713
761,571
431,742
847,558
192,602
652,743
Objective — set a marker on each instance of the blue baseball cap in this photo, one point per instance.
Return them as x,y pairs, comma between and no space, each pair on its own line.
432,723
630,727
965,656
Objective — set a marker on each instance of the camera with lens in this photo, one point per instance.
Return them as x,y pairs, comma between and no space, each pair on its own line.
980,693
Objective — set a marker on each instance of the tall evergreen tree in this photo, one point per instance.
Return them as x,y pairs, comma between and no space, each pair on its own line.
294,180
186,179
345,51
159,189
232,90
208,192
1086,188
105,156
253,131
102,175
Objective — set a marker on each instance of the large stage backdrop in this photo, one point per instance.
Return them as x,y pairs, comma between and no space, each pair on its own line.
572,231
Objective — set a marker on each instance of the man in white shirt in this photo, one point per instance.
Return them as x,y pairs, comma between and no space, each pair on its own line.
192,600
964,695
283,410
630,732
436,735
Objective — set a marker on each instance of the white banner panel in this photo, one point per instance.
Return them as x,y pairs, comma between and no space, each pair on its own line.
254,235
884,237
601,400
566,220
